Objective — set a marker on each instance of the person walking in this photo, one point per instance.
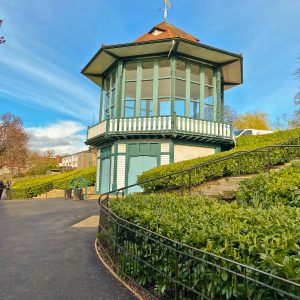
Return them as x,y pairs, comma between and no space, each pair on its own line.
7,189
2,187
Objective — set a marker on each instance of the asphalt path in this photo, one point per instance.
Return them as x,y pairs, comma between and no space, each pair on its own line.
42,257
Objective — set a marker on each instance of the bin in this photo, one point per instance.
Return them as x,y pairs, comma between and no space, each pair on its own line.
68,193
79,194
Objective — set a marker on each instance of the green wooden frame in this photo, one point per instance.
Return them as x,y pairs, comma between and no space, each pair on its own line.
217,86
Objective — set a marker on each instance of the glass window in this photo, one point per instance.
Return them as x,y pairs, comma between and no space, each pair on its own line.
180,88
195,91
209,75
164,69
208,97
130,71
103,107
146,108
129,108
180,107
195,109
195,72
209,112
147,89
147,68
130,90
113,106
164,107
180,68
107,86
113,80
164,87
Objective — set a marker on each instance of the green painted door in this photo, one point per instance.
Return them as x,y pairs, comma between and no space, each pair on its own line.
105,176
137,165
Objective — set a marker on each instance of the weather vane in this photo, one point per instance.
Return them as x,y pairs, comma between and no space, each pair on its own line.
167,6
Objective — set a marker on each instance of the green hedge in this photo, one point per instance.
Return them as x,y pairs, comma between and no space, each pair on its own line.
253,163
282,186
267,239
32,187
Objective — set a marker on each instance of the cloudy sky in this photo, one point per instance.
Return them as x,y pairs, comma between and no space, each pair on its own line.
50,41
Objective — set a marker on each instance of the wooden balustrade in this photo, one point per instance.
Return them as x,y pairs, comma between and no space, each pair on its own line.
161,124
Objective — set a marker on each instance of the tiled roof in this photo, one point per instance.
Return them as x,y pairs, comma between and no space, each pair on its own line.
165,30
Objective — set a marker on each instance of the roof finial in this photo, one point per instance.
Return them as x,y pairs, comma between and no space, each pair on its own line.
166,7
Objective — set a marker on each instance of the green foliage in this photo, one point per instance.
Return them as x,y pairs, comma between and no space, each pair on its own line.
282,187
267,239
29,188
42,169
252,163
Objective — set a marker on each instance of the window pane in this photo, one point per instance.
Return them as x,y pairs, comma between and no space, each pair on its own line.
164,68
209,75
103,107
164,107
195,91
208,97
107,84
179,107
180,68
147,89
130,90
130,71
147,69
180,88
195,72
195,109
113,80
146,108
164,87
113,106
129,108
209,112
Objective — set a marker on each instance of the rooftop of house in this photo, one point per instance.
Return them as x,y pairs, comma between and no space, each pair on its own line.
165,30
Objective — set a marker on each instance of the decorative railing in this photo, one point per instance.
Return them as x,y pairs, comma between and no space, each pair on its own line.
168,269
167,124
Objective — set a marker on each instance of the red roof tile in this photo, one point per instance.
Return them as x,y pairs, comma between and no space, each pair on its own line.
165,30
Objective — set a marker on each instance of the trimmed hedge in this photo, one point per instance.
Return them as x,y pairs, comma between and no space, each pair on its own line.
32,187
253,163
267,239
282,187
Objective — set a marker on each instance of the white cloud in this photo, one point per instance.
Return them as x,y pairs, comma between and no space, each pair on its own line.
62,137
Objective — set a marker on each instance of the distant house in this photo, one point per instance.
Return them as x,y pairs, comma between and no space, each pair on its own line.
79,160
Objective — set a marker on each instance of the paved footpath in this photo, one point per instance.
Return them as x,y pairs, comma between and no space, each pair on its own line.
42,257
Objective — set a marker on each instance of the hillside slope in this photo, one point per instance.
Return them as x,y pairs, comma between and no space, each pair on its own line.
254,163
32,187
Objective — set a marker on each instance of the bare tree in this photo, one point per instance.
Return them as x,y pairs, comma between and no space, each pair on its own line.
2,40
230,114
295,122
13,142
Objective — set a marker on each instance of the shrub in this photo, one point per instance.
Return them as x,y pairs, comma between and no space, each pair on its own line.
254,162
282,186
29,188
267,239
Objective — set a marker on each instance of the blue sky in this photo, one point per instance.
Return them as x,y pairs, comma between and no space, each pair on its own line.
50,41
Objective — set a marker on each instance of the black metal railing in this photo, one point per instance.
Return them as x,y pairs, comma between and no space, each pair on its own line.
230,165
171,270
